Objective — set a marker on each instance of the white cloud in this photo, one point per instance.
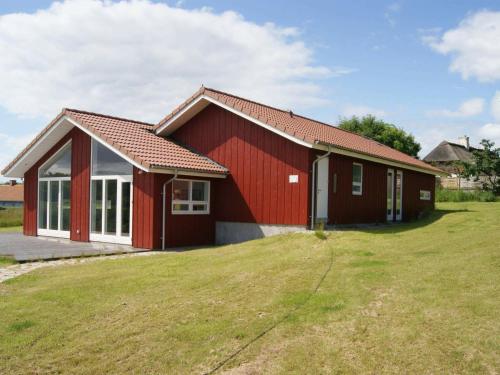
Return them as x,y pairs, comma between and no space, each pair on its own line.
474,46
360,111
495,106
141,59
468,108
490,131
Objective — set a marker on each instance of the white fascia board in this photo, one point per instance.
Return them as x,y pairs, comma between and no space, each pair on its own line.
186,172
230,109
374,159
107,145
53,130
29,153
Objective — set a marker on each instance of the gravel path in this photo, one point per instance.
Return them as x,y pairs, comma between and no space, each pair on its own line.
9,272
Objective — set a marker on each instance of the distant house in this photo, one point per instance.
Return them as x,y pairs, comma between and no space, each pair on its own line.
447,156
11,195
218,169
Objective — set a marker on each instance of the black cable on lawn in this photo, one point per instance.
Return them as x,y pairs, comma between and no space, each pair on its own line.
285,317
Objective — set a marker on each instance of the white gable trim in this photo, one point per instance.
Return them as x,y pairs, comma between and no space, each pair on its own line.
374,159
30,150
197,106
169,128
29,159
107,145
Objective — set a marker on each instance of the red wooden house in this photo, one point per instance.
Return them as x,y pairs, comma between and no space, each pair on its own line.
218,169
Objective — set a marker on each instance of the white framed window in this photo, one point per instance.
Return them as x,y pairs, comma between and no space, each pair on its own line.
425,195
111,197
54,190
357,179
190,197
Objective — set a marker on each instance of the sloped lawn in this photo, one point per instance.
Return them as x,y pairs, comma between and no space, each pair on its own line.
417,298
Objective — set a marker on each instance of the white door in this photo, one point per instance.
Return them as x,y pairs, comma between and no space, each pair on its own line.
322,190
399,195
390,195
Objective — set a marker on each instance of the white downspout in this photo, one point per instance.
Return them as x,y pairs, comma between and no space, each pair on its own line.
164,215
313,183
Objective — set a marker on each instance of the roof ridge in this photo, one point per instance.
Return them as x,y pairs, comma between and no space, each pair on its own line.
104,115
298,115
249,100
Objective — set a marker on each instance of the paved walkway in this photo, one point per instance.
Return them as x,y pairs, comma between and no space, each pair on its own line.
15,270
26,248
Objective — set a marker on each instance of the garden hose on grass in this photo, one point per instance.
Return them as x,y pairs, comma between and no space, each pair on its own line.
285,317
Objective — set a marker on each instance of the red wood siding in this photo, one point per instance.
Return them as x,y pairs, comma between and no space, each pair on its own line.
181,230
80,180
143,209
30,202
257,189
184,230
346,208
413,182
80,186
370,207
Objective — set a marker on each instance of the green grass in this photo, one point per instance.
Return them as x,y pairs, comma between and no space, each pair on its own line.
6,261
11,217
11,229
446,195
414,298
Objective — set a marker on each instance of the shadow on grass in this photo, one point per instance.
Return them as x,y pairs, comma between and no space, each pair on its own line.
402,226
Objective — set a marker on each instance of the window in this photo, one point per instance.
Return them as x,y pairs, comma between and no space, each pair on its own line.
425,195
110,197
106,163
59,166
357,179
190,197
54,194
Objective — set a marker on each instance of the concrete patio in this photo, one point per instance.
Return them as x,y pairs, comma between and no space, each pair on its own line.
25,248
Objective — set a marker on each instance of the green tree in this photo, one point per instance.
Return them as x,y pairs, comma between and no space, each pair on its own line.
485,166
382,132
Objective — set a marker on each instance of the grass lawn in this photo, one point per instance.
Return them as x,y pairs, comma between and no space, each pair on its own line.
6,261
10,229
416,298
11,217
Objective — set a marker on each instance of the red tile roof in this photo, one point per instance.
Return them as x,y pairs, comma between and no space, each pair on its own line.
9,193
137,141
305,129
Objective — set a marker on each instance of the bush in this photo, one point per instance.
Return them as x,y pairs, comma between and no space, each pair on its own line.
11,217
445,195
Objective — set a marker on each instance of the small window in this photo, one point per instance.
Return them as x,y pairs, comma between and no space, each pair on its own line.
425,195
357,179
190,197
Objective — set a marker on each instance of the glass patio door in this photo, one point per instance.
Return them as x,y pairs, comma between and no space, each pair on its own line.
110,211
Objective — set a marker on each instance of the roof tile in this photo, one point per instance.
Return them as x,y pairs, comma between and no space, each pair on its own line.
309,130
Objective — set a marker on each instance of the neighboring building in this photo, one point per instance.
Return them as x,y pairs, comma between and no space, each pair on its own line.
447,156
11,195
218,169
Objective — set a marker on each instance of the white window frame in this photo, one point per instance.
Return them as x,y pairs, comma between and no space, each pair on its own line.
399,216
355,183
426,195
190,201
47,231
111,238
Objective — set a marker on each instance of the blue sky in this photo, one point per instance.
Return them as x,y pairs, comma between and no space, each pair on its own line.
430,67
